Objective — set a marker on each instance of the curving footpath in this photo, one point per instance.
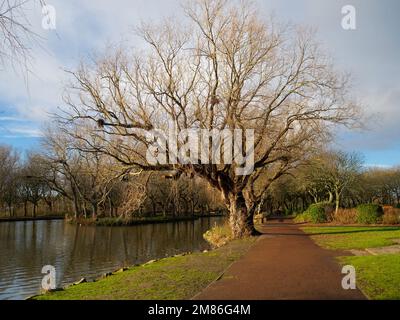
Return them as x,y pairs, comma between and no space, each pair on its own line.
283,264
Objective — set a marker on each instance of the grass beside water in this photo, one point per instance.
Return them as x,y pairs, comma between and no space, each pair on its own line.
180,277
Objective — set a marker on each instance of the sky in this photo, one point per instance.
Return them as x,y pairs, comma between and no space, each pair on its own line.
369,53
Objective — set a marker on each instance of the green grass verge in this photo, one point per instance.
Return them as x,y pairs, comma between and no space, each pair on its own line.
377,276
346,238
172,278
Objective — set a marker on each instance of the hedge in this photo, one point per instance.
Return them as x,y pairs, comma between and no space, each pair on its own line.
369,213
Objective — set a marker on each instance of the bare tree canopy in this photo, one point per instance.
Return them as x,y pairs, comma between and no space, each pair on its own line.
16,32
333,173
223,67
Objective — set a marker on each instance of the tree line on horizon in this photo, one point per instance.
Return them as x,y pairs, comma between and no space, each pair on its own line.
85,186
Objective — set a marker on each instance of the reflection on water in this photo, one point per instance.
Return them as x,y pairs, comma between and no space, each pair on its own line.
25,247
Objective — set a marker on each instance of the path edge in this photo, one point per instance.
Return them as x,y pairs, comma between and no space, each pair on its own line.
224,271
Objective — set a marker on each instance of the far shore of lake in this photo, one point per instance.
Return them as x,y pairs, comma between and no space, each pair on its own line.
120,222
110,222
38,218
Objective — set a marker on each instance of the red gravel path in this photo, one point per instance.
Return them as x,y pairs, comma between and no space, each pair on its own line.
283,264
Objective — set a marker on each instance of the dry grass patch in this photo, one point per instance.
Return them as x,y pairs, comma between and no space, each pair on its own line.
219,235
391,215
345,216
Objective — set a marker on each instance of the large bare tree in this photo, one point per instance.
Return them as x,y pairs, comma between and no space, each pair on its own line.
222,67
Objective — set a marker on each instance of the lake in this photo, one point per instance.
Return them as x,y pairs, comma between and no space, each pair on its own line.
86,251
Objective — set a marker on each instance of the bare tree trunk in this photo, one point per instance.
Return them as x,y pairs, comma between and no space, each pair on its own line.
94,210
192,207
84,209
240,218
76,207
330,200
111,211
337,195
50,206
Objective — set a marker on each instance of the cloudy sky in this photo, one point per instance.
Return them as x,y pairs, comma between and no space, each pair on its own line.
84,27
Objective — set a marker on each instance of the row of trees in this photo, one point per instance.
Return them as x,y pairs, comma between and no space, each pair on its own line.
17,182
336,177
63,180
66,180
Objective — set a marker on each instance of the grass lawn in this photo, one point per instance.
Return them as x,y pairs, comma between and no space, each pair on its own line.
346,238
377,276
171,278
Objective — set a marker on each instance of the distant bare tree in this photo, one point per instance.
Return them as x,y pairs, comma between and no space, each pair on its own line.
133,195
9,170
381,185
33,187
334,173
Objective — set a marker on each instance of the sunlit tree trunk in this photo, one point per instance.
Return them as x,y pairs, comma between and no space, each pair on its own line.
337,195
240,217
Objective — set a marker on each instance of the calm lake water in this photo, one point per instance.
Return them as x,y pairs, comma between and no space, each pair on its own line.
76,252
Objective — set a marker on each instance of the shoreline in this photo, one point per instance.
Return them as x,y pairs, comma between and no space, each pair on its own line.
115,222
40,218
195,271
109,274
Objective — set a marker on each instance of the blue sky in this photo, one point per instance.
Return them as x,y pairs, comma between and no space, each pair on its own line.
370,53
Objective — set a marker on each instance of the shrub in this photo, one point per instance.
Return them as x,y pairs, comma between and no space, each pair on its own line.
287,212
316,213
80,220
258,218
369,213
391,216
111,222
345,216
302,217
329,210
218,235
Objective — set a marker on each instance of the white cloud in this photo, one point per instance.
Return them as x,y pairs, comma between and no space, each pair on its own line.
20,132
11,119
378,166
